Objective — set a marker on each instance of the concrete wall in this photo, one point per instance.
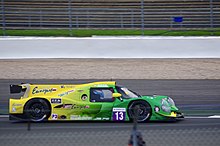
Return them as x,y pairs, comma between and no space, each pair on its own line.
110,47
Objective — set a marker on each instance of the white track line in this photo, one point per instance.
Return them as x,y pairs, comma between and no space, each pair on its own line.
215,116
106,38
4,116
203,117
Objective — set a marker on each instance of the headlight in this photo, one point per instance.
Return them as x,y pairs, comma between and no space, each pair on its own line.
170,101
165,105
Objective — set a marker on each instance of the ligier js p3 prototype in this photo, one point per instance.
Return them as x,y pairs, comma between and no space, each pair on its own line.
93,101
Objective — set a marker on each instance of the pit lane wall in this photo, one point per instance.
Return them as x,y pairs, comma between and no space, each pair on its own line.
109,47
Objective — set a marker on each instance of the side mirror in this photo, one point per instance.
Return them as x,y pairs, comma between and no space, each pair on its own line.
116,95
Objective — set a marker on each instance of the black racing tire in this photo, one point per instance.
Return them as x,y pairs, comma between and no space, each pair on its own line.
37,110
142,109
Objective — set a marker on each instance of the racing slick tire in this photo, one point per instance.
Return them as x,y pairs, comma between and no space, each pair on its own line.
37,110
139,110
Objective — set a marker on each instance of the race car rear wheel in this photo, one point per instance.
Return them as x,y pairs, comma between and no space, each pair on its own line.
139,110
37,110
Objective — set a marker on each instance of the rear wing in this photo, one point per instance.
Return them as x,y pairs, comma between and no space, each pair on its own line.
20,88
15,89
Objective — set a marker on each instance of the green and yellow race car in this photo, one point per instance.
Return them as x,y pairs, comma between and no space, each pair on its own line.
103,101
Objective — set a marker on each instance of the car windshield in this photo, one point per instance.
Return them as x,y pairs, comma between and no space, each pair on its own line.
126,93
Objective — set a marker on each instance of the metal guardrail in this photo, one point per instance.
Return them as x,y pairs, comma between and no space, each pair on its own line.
135,14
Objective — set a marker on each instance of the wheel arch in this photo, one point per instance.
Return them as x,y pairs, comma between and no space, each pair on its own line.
42,98
137,101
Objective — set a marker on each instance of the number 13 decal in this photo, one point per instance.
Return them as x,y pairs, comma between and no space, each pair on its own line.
118,114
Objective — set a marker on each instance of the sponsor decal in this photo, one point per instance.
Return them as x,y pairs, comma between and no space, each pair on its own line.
45,91
65,93
72,106
56,100
119,109
102,85
16,104
69,86
69,106
80,90
105,118
54,116
13,109
118,114
78,117
156,109
100,118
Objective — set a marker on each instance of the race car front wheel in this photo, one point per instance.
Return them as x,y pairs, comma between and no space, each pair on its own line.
37,110
139,110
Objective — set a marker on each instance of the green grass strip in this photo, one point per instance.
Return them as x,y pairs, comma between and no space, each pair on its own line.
91,32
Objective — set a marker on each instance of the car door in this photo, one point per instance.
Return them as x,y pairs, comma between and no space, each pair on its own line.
101,98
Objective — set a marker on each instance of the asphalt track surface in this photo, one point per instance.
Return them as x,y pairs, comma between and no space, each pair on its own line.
198,99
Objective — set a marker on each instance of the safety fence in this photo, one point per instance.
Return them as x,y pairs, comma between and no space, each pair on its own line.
110,134
109,14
